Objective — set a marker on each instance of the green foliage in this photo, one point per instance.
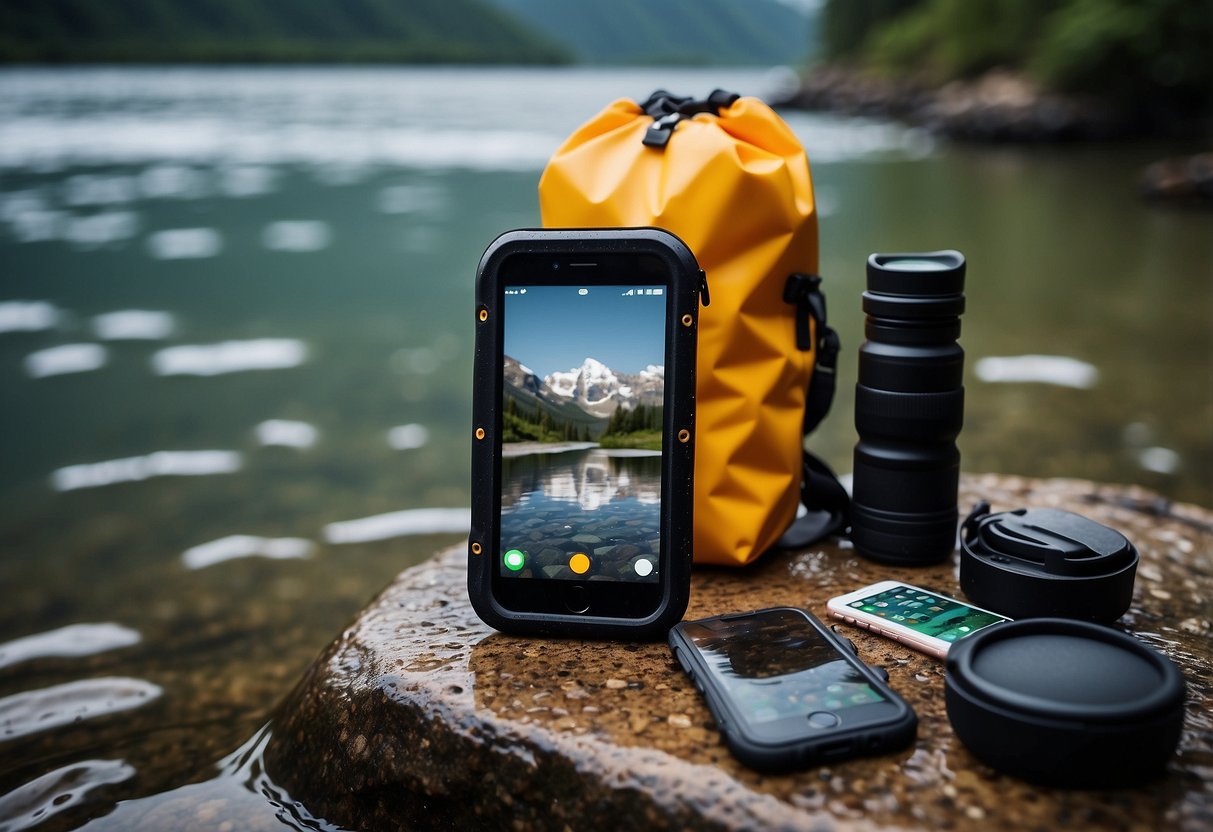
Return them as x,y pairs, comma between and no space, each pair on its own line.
1124,49
640,427
1134,46
648,440
958,38
640,418
846,24
420,31
539,424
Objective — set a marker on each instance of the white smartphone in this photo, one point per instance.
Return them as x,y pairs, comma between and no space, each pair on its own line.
916,617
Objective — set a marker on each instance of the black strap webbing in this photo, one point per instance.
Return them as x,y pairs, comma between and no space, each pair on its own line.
827,504
668,109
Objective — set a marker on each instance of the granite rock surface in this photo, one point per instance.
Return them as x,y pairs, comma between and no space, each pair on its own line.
419,716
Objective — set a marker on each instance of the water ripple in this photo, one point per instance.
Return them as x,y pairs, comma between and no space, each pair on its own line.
399,524
27,315
64,359
408,437
29,805
174,182
136,468
99,189
287,433
244,181
41,710
134,325
1045,369
356,119
185,243
238,546
229,357
96,230
297,235
73,640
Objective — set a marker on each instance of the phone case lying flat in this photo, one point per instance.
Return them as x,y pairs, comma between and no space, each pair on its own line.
686,283
801,753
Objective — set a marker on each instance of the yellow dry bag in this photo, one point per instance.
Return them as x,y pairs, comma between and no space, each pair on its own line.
729,177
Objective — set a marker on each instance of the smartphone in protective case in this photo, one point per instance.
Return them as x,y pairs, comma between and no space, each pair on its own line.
584,432
786,692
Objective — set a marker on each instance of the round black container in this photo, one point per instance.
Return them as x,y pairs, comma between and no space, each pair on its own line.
1065,703
1046,562
909,408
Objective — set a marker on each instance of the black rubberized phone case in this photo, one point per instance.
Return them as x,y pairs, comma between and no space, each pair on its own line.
686,284
797,752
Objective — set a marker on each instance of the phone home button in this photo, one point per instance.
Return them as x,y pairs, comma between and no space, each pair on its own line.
823,719
577,599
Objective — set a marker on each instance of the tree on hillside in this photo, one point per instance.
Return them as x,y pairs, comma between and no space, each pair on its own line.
1146,53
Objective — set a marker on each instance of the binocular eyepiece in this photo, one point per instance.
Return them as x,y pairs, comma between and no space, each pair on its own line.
909,409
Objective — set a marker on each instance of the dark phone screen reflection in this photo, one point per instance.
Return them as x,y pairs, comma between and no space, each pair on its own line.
775,665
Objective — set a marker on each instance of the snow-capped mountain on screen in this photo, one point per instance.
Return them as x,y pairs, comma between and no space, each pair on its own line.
594,387
598,389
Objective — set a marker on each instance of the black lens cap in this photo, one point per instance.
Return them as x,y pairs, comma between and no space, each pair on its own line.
1065,703
1046,562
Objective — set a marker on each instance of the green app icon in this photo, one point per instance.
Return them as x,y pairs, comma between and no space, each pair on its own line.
515,559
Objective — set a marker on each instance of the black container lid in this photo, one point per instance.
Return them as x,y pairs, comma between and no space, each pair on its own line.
925,273
1046,562
1054,541
1065,702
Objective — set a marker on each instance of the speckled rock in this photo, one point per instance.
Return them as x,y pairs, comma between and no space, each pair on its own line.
419,716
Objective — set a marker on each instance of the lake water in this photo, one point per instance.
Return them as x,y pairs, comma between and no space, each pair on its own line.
235,355
603,504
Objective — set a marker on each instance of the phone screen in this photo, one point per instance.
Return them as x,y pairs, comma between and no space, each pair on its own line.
926,613
774,665
583,403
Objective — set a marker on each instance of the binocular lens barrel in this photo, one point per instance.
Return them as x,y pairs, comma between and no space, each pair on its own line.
909,409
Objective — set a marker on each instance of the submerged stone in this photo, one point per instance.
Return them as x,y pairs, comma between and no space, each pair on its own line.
419,716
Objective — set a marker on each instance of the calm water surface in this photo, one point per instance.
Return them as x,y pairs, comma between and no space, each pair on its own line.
235,353
605,504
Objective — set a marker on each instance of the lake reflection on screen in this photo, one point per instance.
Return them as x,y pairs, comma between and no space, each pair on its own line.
588,501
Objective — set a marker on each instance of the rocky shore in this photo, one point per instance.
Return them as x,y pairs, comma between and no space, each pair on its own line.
1182,180
999,106
1004,107
421,717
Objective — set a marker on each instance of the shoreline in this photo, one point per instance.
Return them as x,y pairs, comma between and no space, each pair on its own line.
999,106
511,450
1005,107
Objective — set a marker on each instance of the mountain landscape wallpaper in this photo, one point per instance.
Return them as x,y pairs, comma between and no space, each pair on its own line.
586,403
599,366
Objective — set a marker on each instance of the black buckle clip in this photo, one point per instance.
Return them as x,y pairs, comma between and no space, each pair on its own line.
668,109
659,132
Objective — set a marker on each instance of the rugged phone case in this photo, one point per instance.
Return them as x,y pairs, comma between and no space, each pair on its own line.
686,286
798,752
